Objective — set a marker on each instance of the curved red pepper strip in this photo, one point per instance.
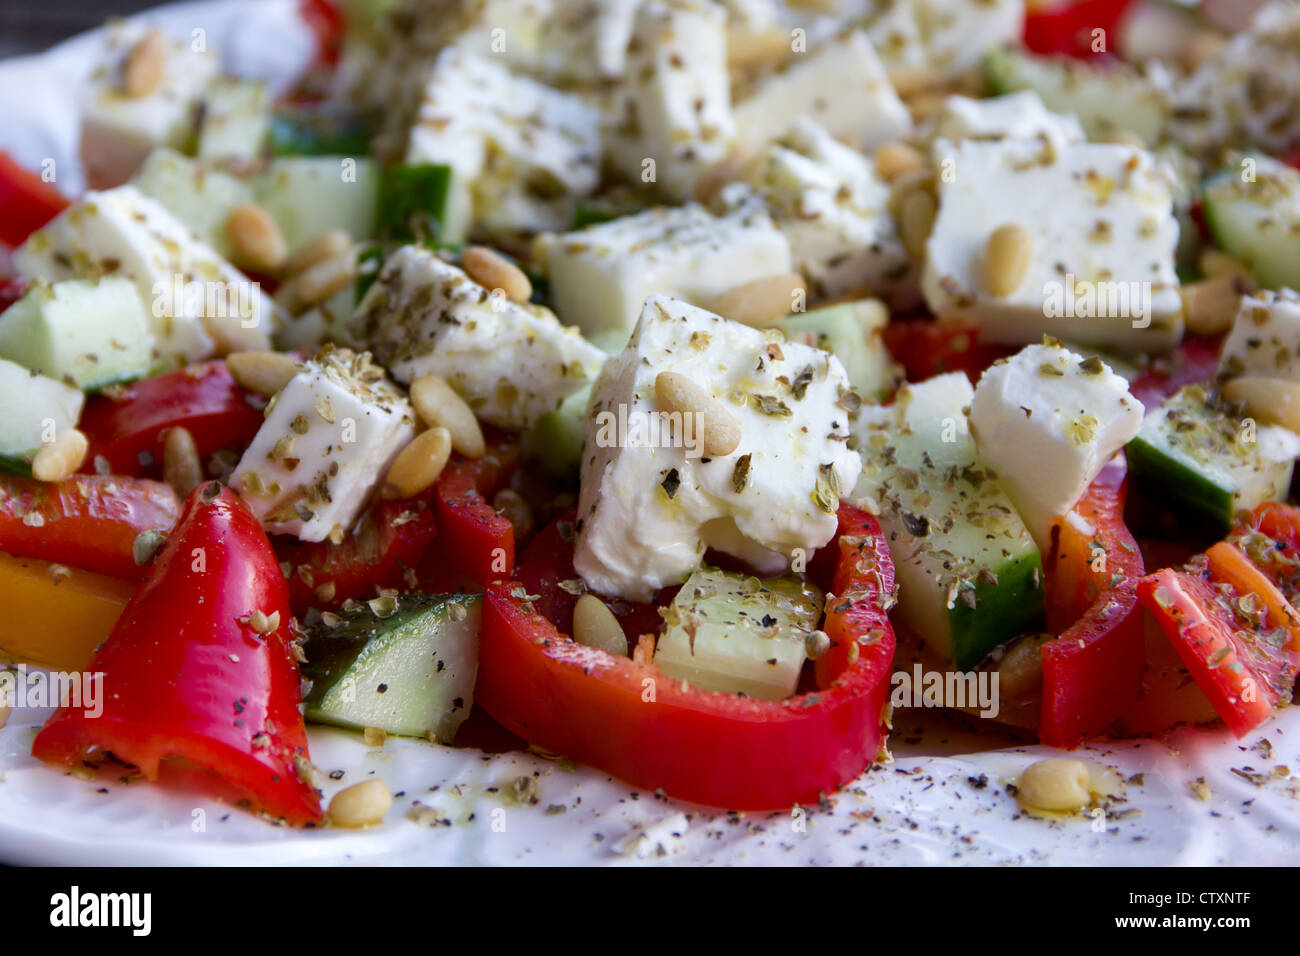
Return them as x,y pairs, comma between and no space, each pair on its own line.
185,675
27,202
475,545
1069,29
719,749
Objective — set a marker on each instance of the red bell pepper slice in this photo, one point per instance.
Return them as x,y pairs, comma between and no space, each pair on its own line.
27,202
475,545
127,427
929,347
87,521
326,21
382,552
1092,673
1068,28
186,675
719,749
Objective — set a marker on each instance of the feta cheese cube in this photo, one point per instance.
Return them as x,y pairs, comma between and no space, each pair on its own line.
647,497
1265,337
197,300
1102,234
328,439
601,276
236,120
504,135
958,33
841,85
674,107
834,210
511,362
1046,420
119,130
1019,115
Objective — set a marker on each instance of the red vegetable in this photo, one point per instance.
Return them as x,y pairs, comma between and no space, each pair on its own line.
128,427
187,673
88,522
1092,672
325,19
475,544
1193,362
929,347
1070,28
721,749
27,202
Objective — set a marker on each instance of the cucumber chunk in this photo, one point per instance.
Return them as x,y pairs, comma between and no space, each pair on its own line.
556,438
1258,221
738,634
88,333
308,195
236,120
33,409
853,333
413,204
1198,458
196,193
318,132
409,672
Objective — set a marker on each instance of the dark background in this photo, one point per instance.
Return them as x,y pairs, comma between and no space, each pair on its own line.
29,26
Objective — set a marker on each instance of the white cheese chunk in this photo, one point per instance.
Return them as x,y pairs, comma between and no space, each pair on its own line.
601,276
516,147
1019,115
1102,235
841,85
196,298
118,130
647,494
828,201
1265,337
672,114
236,120
1046,420
959,33
327,441
511,362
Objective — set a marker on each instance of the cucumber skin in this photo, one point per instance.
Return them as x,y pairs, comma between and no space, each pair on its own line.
1186,493
1264,274
1013,606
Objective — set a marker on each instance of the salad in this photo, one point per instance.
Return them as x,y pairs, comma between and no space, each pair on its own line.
676,387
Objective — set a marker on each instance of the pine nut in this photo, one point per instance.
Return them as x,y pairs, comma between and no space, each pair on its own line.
437,403
712,179
909,82
263,372
915,221
895,159
511,505
492,270
1275,400
1020,671
1006,258
1056,784
1214,263
360,805
1210,306
677,393
142,70
418,465
229,336
761,303
322,279
62,457
181,466
325,245
595,625
256,242
764,46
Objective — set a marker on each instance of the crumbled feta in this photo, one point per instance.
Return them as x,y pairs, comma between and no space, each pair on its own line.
1019,115
511,362
841,84
195,297
1102,235
600,276
1046,420
327,441
647,496
1265,337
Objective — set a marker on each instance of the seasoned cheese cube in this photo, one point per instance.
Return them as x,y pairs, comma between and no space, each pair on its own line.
236,120
1100,265
328,439
601,276
504,134
1265,337
941,38
119,130
831,206
196,299
675,102
841,84
649,503
1046,420
1019,115
511,362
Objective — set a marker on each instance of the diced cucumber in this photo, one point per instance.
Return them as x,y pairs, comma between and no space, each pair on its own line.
1106,99
1199,459
404,664
853,333
1258,221
318,132
33,409
413,204
236,120
198,194
969,573
738,634
556,438
308,195
89,333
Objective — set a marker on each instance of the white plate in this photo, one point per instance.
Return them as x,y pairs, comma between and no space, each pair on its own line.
928,806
